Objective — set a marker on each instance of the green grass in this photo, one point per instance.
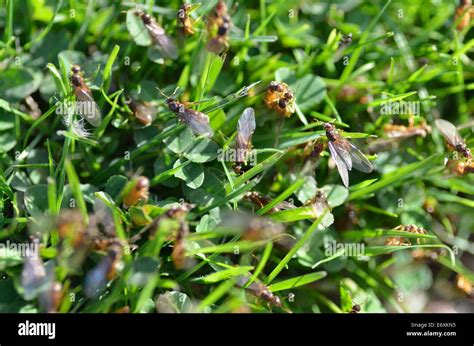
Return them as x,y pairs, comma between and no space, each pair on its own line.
401,51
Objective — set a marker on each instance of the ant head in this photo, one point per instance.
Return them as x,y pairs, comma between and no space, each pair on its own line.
275,86
143,183
320,194
462,148
328,126
75,69
146,18
222,30
357,306
282,103
173,105
238,169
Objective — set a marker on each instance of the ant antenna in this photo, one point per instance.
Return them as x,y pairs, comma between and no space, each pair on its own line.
128,99
162,93
284,308
166,96
361,303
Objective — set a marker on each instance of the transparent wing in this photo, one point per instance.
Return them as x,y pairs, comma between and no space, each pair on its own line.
245,129
164,44
449,132
340,163
285,206
87,108
96,278
359,161
32,276
216,45
198,122
246,124
256,288
343,148
155,29
145,112
319,206
242,280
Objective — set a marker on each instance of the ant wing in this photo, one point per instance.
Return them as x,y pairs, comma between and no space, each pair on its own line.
359,161
96,278
285,206
245,129
340,163
145,113
87,108
449,132
215,45
164,44
32,276
246,124
198,122
343,148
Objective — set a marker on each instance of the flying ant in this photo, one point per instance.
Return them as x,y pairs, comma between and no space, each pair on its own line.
197,121
138,193
218,27
85,104
142,111
356,308
97,278
38,279
345,155
343,43
260,291
453,138
164,44
243,144
176,232
459,166
184,20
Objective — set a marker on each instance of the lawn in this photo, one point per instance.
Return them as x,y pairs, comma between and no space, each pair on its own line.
261,156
